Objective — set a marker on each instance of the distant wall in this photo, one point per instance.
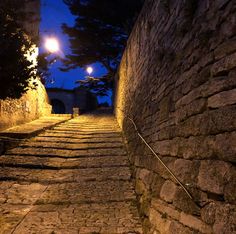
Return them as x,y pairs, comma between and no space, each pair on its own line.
65,96
77,97
177,80
30,106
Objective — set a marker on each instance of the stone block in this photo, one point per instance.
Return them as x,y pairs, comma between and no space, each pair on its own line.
162,147
165,208
193,108
183,202
216,121
225,219
159,221
140,187
224,65
176,227
213,176
222,99
144,204
208,213
206,60
145,176
196,147
224,146
157,166
156,185
168,191
224,49
186,170
230,188
195,223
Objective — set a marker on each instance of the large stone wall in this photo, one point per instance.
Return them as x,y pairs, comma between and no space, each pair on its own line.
177,80
32,105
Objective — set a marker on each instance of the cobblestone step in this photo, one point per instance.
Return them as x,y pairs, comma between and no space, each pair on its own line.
60,152
60,163
74,178
80,136
62,138
68,175
71,145
110,218
67,193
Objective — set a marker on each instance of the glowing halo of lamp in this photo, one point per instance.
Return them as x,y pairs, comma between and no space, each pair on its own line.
52,45
89,70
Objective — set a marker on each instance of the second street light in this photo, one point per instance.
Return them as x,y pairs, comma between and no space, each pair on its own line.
89,70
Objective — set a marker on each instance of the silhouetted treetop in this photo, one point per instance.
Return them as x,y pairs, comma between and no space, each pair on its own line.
100,32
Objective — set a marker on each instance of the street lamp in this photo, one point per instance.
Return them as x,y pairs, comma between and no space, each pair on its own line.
52,45
89,70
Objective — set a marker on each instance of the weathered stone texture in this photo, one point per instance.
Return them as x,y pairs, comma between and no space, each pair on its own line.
70,192
30,106
177,80
34,103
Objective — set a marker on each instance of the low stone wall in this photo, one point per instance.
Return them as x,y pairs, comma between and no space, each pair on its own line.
30,106
177,80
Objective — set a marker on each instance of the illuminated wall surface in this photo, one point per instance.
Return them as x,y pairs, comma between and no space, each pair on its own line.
177,79
34,103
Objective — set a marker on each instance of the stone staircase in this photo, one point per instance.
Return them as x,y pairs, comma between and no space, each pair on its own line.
74,178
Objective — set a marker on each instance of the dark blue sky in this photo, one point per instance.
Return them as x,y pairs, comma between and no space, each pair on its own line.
53,14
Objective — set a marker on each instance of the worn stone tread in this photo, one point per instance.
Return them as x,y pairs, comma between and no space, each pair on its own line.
61,163
76,139
69,175
71,145
74,178
111,218
66,153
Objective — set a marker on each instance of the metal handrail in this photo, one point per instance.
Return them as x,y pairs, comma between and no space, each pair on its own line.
161,161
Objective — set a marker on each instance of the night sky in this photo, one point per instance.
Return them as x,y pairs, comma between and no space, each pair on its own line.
53,14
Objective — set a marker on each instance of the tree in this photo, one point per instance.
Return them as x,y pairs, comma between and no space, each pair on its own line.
17,71
99,35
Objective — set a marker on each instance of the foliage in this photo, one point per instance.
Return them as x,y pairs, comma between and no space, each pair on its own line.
99,35
16,70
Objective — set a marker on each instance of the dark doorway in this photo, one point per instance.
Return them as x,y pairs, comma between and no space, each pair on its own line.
58,107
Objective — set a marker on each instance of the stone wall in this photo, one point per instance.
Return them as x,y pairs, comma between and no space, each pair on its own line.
76,98
177,80
30,106
34,103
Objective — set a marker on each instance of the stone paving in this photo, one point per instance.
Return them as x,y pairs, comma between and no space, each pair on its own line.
74,178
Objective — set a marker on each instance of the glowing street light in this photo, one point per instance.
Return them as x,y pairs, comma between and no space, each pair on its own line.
89,70
52,45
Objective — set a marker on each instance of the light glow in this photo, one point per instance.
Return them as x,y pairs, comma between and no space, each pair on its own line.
89,70
52,45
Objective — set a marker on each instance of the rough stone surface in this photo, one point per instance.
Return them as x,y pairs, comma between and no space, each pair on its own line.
222,99
76,182
32,105
177,81
168,191
213,175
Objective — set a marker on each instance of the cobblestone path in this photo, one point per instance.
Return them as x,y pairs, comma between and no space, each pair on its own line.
74,178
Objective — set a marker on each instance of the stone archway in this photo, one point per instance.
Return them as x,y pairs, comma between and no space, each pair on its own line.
58,107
